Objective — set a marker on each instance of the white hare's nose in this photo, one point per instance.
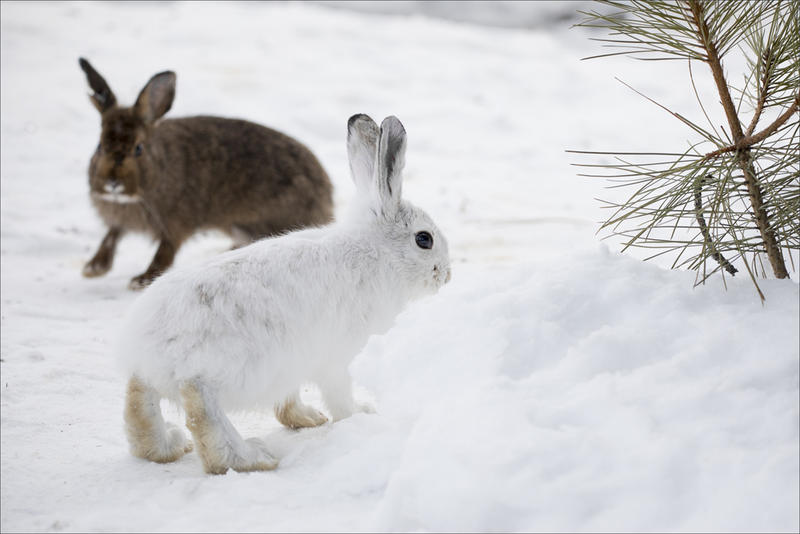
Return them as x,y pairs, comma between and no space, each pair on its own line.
438,274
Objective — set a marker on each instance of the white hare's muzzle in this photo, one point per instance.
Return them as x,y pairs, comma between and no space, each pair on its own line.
441,275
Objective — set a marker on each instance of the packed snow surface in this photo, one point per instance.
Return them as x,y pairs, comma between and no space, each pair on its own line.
553,385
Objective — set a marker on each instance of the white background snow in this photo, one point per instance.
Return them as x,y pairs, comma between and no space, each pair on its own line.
554,385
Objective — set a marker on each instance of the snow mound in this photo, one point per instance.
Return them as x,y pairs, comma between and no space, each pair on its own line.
595,393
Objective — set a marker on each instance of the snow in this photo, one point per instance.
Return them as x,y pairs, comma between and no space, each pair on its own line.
553,385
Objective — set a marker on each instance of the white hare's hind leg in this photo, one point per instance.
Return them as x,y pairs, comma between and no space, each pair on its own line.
148,435
218,443
293,413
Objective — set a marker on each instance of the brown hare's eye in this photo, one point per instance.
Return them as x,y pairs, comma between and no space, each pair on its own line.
424,240
138,150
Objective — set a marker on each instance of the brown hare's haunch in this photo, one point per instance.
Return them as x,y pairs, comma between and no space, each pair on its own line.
248,327
172,177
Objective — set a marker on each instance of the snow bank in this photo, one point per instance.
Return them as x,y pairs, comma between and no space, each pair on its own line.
595,394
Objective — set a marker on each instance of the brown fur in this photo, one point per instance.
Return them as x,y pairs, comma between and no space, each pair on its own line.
196,173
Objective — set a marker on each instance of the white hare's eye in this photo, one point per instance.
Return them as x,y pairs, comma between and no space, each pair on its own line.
424,240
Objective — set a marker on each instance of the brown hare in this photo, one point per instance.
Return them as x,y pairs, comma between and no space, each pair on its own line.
170,178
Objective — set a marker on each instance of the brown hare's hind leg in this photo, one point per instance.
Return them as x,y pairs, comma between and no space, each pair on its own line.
218,443
148,435
294,414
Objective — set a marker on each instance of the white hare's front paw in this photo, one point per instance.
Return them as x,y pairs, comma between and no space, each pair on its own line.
365,407
177,441
337,393
345,410
256,457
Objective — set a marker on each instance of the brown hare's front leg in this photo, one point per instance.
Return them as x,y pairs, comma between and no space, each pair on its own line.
161,262
218,443
101,263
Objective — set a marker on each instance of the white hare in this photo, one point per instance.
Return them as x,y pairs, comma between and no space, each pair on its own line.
248,328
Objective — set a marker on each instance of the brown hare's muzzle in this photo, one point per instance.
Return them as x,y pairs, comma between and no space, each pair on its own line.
114,181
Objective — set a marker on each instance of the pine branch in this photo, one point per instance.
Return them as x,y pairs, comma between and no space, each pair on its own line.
750,140
713,60
752,205
756,197
762,93
701,222
772,128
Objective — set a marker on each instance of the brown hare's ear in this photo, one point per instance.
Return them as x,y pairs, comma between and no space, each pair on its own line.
156,97
103,98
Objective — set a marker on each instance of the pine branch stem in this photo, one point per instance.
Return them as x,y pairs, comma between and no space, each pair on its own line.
762,217
769,130
714,61
701,222
750,140
697,9
762,94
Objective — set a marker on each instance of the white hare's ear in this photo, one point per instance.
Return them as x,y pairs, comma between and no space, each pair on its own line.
362,149
390,163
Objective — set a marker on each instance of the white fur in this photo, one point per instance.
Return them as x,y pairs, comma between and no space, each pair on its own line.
118,198
254,324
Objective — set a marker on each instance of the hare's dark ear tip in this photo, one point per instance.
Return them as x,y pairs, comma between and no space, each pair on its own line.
392,126
84,64
170,75
357,117
166,76
358,120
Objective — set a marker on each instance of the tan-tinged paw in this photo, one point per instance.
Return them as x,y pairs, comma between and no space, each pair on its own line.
148,436
177,440
296,415
257,458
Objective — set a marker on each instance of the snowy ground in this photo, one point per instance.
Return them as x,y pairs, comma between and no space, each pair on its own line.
553,385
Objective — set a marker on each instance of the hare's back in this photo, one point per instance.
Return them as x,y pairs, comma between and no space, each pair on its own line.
239,148
244,172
